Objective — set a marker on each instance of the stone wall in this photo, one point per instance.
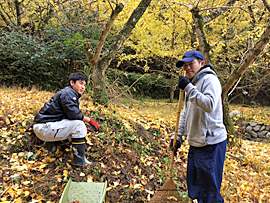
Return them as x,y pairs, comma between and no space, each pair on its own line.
256,131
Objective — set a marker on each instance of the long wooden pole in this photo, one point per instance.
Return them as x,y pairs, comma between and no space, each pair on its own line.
177,125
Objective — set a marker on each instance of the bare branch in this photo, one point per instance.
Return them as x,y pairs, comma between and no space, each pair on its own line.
119,95
110,4
124,33
255,84
180,3
9,17
252,55
229,7
234,86
213,8
18,13
266,5
3,16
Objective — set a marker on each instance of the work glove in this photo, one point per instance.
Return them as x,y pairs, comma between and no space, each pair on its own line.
183,82
176,147
94,124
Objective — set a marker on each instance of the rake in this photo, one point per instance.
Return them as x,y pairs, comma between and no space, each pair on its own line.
168,192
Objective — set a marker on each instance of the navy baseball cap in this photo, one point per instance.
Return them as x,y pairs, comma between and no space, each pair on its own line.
190,56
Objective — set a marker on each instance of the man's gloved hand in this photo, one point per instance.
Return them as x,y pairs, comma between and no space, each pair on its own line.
176,147
94,124
183,82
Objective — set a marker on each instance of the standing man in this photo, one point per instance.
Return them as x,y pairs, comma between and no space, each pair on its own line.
60,118
202,121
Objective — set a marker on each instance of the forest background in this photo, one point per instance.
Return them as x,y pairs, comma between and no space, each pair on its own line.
129,48
42,42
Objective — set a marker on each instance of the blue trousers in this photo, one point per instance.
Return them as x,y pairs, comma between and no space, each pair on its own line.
204,172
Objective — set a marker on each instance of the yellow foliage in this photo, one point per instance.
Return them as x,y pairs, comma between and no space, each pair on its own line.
246,170
65,173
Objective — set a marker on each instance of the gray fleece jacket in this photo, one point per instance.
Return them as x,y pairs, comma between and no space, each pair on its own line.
202,115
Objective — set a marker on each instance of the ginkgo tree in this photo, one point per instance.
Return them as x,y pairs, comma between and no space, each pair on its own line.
249,53
169,29
162,35
73,15
99,67
231,34
223,30
25,15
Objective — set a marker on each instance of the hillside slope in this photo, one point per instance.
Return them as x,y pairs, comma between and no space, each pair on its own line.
131,152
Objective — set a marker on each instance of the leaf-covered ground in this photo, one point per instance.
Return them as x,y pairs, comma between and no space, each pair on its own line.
131,152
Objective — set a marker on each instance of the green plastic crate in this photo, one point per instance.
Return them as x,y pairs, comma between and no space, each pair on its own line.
84,192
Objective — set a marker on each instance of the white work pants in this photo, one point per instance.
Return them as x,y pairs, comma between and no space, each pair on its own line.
60,130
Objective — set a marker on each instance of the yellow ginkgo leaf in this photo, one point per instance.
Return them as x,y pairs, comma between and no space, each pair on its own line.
7,121
42,166
51,1
26,193
131,185
37,178
49,159
22,130
11,192
65,173
39,197
53,187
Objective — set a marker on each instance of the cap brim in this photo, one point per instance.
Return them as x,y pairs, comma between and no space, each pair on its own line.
184,60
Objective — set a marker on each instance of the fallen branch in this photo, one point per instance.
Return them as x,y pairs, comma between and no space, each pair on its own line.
4,191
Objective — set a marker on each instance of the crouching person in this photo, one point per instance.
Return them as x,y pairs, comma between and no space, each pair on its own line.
61,119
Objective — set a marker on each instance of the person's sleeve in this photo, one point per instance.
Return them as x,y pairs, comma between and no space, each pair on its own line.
70,107
210,95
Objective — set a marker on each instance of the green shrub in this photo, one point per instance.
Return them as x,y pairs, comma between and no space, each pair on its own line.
44,61
25,61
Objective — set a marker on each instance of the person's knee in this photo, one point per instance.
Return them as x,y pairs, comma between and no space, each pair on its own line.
77,122
80,129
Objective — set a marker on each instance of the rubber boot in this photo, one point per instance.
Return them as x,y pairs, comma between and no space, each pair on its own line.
61,145
78,150
52,146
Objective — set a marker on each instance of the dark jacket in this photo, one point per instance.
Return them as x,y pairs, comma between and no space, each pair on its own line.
63,105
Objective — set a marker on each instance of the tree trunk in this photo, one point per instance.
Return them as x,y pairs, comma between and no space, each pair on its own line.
102,65
100,96
18,14
251,56
267,6
204,47
227,122
253,53
199,22
124,34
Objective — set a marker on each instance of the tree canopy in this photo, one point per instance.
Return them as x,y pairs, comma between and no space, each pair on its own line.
225,31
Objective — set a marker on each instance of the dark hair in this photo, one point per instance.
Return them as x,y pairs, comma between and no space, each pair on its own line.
77,76
199,60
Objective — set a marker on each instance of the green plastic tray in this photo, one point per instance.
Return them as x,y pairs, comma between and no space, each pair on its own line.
84,192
